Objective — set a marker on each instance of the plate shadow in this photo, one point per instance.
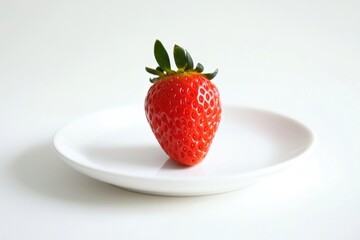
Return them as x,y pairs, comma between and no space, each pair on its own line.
40,171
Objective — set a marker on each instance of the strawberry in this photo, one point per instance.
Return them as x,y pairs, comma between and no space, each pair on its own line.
182,107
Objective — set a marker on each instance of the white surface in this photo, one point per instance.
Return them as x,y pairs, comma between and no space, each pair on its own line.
63,59
117,146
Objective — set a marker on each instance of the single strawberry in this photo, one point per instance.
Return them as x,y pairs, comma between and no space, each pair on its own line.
182,107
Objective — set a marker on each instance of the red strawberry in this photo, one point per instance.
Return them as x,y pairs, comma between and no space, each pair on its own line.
182,107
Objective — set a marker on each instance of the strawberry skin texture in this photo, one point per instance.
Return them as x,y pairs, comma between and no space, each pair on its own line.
184,113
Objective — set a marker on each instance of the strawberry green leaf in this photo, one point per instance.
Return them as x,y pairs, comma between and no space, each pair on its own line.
159,69
162,56
152,80
190,63
199,68
180,57
154,71
211,75
183,61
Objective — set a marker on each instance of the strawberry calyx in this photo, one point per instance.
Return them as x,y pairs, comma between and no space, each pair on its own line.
183,62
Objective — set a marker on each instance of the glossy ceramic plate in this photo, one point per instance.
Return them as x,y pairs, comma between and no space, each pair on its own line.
117,146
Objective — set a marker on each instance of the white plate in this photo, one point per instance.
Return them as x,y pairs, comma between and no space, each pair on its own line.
118,147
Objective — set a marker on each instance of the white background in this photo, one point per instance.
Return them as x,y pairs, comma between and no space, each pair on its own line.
63,59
